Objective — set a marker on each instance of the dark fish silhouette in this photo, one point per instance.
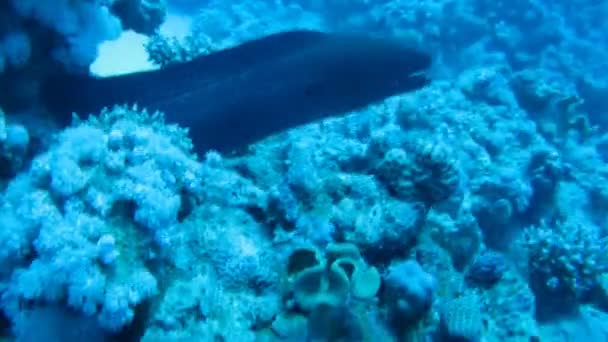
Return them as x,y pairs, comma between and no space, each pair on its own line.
237,96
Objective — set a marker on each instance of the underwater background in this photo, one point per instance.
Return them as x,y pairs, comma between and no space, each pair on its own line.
473,209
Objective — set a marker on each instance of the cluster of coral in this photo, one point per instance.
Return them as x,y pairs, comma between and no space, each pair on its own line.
471,210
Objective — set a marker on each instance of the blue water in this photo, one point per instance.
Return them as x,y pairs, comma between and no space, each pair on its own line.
473,209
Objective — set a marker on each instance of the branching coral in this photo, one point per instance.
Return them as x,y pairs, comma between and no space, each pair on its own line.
97,206
566,260
220,25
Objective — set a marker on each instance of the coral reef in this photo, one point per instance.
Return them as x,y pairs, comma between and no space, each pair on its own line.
473,209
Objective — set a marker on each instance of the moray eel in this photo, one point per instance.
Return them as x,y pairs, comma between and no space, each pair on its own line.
234,97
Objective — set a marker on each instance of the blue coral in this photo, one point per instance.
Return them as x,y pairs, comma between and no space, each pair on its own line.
487,269
497,168
408,292
77,256
566,261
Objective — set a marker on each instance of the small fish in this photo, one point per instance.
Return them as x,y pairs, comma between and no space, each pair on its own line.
237,96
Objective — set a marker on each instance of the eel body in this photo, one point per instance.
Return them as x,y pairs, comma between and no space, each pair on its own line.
237,96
